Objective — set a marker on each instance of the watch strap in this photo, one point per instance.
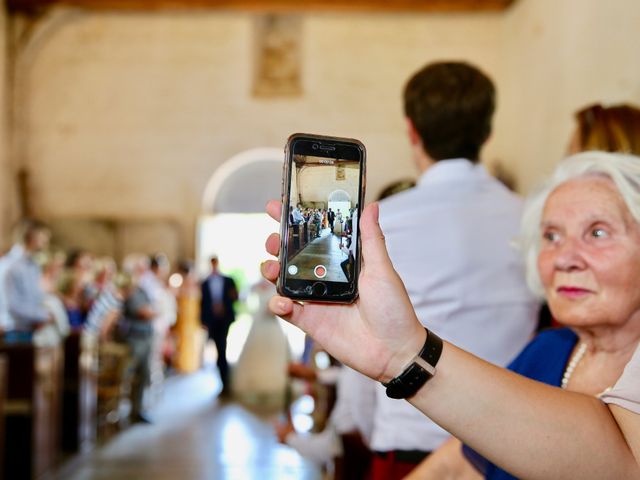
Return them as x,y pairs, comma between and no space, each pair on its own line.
421,369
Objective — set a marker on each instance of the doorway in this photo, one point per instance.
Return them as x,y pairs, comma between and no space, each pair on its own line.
233,226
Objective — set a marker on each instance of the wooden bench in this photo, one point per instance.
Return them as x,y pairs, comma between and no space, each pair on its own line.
32,409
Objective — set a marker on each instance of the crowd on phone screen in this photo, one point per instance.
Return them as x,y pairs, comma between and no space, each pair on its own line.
311,223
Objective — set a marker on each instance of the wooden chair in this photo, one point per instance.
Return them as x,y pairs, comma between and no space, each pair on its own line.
113,360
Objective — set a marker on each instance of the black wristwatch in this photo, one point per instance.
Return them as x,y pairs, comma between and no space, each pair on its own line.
419,371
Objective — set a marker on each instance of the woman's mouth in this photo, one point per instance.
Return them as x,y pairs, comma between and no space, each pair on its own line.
573,292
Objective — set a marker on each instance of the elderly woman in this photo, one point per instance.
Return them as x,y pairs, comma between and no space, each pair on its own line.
580,238
587,249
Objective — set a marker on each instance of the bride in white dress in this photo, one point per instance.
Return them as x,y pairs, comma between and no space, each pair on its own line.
260,375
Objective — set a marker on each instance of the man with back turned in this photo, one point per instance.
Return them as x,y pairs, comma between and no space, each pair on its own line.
449,239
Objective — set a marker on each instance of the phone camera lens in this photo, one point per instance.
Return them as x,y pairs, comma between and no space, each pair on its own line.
315,146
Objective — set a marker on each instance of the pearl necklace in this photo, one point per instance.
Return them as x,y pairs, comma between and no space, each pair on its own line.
582,349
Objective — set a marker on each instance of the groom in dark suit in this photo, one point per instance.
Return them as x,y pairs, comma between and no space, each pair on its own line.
331,217
217,315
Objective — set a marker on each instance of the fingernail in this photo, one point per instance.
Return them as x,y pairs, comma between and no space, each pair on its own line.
282,304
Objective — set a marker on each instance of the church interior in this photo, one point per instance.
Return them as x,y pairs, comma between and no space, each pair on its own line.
149,134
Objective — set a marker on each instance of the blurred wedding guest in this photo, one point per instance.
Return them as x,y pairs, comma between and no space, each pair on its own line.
137,331
614,128
80,265
351,416
23,285
467,280
216,314
14,253
154,282
71,288
53,333
188,330
260,376
107,307
105,270
103,276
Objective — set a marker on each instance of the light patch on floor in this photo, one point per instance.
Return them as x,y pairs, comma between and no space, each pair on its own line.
194,436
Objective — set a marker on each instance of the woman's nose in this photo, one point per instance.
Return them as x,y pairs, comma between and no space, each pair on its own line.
569,256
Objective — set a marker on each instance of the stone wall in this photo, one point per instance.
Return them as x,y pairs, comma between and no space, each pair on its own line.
124,117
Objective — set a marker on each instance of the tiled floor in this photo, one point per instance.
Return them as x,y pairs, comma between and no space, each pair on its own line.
194,436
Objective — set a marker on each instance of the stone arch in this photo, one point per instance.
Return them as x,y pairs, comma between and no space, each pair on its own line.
339,196
245,182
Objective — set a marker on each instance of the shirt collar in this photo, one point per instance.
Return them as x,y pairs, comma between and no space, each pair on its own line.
444,171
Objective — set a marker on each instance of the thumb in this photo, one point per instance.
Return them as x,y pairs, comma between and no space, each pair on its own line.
374,249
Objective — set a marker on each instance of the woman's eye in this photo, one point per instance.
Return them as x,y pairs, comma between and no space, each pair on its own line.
550,236
599,233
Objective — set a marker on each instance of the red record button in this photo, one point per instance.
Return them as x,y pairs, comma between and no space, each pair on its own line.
320,271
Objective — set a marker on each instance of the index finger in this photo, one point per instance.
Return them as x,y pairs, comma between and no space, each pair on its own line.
274,207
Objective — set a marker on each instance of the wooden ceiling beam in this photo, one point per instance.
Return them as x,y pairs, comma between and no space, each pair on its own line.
271,5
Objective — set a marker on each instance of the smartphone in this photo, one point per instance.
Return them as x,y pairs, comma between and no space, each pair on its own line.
323,187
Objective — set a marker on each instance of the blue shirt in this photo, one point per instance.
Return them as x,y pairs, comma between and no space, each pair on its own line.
25,296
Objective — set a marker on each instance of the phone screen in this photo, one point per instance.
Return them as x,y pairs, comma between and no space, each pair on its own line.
323,191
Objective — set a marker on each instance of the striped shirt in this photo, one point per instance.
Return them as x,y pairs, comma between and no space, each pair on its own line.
106,303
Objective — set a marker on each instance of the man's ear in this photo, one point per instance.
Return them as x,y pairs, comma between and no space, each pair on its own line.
414,137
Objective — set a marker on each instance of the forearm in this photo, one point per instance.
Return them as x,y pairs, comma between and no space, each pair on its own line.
515,422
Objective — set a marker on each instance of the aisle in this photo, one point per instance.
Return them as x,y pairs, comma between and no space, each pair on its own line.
324,250
194,436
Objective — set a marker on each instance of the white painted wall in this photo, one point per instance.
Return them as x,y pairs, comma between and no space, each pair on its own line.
128,115
559,56
317,183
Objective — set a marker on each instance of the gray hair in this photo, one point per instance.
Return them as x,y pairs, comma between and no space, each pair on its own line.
622,169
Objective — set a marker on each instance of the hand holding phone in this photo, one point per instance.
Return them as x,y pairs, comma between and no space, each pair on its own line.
322,195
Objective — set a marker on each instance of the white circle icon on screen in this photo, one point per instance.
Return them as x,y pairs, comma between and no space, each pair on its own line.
293,270
320,271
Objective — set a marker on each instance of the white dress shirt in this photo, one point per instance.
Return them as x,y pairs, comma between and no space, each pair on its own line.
450,239
216,287
24,293
6,322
